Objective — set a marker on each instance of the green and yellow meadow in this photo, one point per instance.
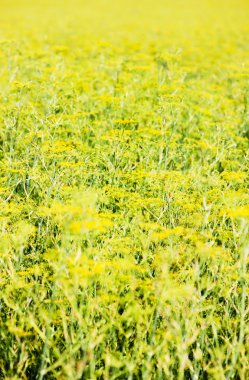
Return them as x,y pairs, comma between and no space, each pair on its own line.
124,197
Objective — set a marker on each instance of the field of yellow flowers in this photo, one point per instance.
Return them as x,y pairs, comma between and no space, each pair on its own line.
124,197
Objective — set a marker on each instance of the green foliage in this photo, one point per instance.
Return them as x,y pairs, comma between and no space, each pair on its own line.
124,224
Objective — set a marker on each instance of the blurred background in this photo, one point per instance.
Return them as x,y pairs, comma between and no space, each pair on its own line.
114,17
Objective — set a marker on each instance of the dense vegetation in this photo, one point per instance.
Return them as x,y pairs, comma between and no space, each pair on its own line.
124,136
